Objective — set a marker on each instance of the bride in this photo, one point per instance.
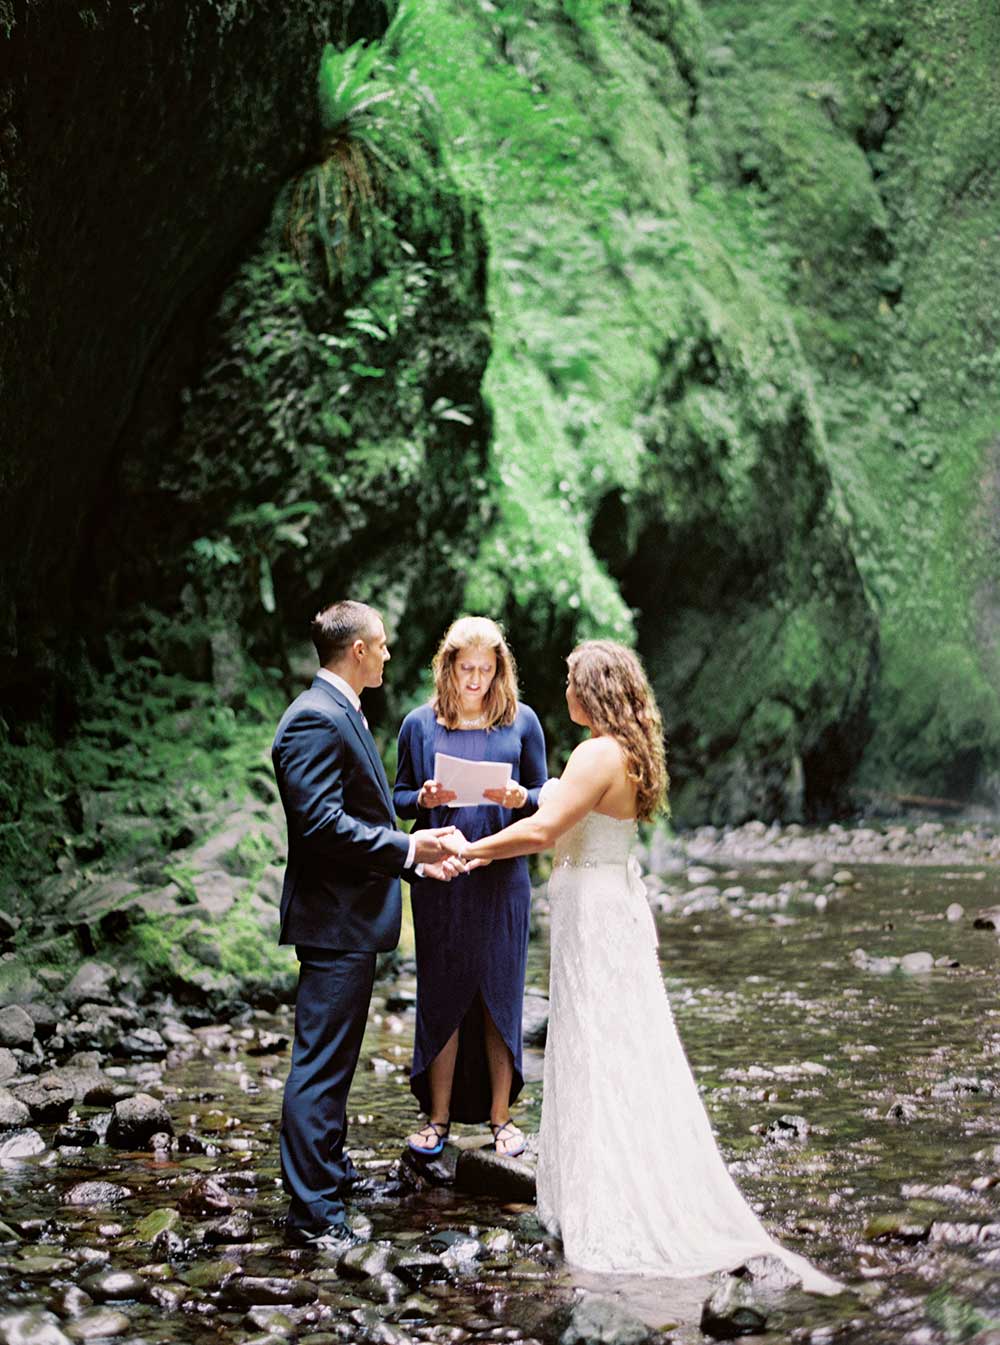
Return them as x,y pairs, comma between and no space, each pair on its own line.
629,1175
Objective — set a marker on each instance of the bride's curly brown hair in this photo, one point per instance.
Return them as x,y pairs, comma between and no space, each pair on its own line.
614,693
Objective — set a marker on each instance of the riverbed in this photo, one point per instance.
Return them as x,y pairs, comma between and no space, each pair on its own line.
854,1094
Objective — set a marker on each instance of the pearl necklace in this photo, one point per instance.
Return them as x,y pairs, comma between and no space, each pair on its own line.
478,722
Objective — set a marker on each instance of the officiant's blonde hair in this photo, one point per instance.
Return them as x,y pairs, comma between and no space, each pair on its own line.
614,693
500,702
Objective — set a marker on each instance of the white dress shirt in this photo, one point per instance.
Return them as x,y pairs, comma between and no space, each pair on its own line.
347,690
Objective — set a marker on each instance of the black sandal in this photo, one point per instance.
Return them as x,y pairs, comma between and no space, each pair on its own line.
498,1131
436,1129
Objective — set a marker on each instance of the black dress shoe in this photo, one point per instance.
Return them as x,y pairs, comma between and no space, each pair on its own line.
333,1238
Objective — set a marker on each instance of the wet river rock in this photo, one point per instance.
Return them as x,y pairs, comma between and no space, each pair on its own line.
17,1028
33,1327
135,1120
101,1195
732,1311
109,1286
20,1144
48,1098
99,1324
235,1227
247,1291
206,1196
484,1172
13,1114
602,1319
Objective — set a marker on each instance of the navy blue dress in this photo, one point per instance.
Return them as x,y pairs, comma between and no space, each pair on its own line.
471,933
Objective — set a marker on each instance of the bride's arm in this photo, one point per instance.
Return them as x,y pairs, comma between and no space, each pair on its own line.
591,769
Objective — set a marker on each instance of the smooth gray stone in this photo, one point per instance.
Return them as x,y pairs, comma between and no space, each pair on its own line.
33,1327
17,1027
605,1321
99,1323
115,1285
13,1113
248,1291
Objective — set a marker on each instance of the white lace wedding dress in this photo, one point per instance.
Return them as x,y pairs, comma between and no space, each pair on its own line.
629,1174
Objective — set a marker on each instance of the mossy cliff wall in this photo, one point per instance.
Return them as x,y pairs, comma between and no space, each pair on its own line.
141,148
674,321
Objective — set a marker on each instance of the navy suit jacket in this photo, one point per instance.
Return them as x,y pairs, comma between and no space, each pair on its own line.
345,853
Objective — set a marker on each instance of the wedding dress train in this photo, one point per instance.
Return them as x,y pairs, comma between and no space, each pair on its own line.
629,1173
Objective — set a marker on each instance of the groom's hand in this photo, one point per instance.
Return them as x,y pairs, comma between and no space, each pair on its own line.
436,844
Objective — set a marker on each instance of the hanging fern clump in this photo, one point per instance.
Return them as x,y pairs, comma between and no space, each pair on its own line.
332,205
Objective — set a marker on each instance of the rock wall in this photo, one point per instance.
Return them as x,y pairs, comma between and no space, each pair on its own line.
141,148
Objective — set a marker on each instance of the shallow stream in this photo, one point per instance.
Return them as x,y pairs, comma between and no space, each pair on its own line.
887,1180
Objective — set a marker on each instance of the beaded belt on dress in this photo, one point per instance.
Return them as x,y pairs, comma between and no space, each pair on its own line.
570,862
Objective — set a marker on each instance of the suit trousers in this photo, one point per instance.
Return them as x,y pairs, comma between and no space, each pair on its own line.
331,1011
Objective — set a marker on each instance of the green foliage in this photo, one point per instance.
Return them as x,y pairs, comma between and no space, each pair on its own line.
347,85
149,755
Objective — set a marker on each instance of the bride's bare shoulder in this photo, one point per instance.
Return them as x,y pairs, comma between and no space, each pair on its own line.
598,753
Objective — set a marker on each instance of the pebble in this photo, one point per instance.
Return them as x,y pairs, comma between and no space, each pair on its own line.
954,913
114,1285
99,1323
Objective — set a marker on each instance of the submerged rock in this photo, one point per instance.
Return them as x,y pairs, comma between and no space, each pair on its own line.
605,1321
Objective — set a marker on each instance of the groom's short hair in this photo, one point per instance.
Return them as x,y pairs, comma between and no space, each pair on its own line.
335,628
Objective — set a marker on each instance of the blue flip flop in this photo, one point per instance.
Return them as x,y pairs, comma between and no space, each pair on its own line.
439,1129
514,1135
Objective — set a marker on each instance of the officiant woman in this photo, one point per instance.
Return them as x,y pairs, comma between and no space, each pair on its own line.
471,933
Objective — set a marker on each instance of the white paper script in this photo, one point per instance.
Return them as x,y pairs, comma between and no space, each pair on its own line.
469,778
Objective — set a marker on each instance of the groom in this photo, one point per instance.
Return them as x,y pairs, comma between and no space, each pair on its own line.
340,904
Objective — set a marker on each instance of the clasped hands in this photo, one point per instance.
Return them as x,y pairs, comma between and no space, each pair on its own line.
440,850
